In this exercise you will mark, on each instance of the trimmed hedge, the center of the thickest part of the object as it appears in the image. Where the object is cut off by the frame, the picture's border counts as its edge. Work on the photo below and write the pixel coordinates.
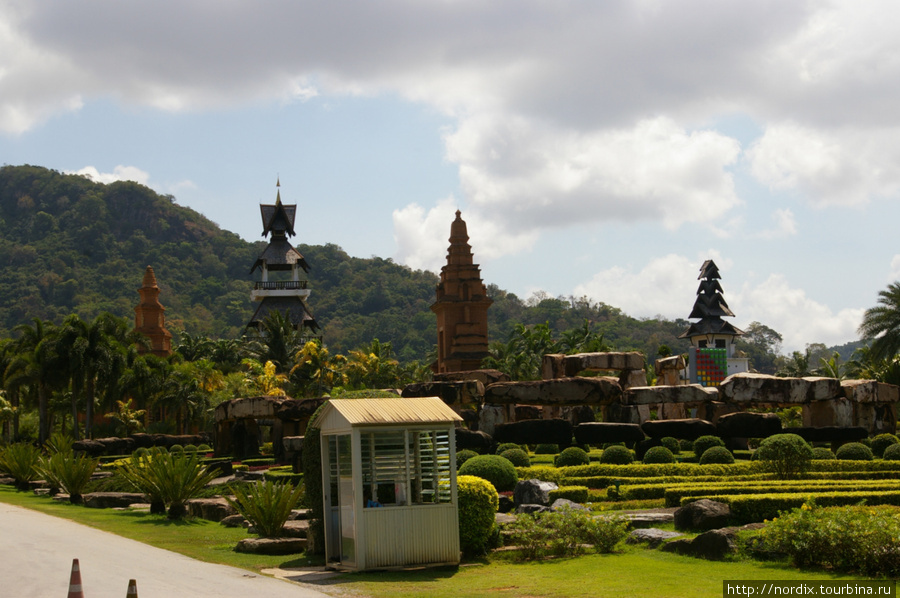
(672, 444)
(507, 446)
(478, 502)
(820, 453)
(493, 468)
(572, 456)
(751, 508)
(892, 453)
(463, 456)
(659, 454)
(882, 442)
(718, 455)
(577, 494)
(517, 457)
(704, 443)
(546, 449)
(675, 494)
(854, 451)
(616, 455)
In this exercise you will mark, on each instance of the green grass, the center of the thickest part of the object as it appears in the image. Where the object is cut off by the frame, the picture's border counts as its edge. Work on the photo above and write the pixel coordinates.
(196, 538)
(633, 572)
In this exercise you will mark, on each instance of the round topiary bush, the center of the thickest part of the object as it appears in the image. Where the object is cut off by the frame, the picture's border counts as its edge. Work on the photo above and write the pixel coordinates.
(571, 456)
(686, 445)
(616, 455)
(505, 446)
(704, 443)
(881, 442)
(672, 444)
(823, 453)
(716, 454)
(141, 452)
(176, 448)
(854, 451)
(659, 454)
(785, 455)
(190, 448)
(517, 457)
(478, 502)
(892, 453)
(546, 449)
(204, 448)
(463, 456)
(498, 471)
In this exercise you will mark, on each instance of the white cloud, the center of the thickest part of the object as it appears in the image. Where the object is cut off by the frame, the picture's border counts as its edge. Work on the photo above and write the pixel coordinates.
(828, 167)
(119, 173)
(785, 225)
(894, 276)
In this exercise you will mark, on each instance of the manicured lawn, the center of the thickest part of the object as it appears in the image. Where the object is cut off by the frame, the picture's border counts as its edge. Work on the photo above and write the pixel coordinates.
(634, 572)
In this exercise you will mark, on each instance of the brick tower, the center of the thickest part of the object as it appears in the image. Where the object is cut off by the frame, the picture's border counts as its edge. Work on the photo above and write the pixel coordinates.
(150, 317)
(461, 307)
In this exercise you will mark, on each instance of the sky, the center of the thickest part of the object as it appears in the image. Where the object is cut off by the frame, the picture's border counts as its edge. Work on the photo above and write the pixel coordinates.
(598, 149)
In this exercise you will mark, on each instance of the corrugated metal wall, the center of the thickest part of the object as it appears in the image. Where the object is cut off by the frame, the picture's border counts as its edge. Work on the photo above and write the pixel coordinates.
(411, 535)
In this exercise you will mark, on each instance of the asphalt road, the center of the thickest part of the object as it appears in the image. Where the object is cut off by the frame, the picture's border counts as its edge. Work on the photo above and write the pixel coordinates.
(36, 553)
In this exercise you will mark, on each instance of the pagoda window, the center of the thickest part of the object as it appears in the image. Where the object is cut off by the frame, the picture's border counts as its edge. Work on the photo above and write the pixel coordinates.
(720, 343)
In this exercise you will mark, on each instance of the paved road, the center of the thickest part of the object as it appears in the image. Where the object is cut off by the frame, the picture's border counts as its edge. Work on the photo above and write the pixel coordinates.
(36, 553)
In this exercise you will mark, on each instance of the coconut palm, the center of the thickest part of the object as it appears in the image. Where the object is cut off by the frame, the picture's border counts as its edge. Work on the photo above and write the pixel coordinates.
(35, 368)
(882, 323)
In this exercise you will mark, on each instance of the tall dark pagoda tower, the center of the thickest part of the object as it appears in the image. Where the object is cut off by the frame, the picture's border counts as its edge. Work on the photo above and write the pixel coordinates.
(283, 271)
(150, 317)
(712, 338)
(461, 307)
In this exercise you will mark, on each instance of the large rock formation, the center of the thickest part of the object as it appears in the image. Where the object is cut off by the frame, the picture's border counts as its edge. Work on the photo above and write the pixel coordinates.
(562, 391)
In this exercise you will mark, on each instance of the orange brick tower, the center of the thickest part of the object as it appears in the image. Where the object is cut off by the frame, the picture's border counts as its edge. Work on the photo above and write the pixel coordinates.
(461, 307)
(150, 317)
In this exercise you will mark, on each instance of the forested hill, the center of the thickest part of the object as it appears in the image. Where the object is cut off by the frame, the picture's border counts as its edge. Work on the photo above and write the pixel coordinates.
(70, 245)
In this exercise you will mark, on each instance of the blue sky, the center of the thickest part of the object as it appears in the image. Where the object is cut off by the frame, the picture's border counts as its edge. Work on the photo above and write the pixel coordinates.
(598, 149)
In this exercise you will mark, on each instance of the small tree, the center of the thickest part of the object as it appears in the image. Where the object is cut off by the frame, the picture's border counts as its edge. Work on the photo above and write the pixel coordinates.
(267, 505)
(785, 455)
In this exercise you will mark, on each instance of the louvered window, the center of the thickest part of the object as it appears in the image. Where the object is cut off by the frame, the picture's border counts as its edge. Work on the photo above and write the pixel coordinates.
(405, 467)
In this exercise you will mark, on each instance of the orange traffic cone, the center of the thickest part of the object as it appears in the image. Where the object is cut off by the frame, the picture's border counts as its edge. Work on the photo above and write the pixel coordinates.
(75, 581)
(132, 589)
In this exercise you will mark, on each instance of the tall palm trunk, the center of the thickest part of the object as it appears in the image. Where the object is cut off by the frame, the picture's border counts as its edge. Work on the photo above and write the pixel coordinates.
(89, 408)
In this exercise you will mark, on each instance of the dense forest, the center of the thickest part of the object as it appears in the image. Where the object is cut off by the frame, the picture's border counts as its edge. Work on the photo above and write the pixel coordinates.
(70, 245)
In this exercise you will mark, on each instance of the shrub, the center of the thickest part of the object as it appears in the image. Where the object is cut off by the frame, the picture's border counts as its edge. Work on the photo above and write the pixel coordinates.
(821, 453)
(478, 502)
(572, 456)
(176, 448)
(463, 456)
(190, 448)
(577, 494)
(892, 453)
(546, 449)
(70, 473)
(686, 445)
(854, 451)
(616, 455)
(267, 505)
(505, 446)
(785, 455)
(659, 454)
(168, 479)
(140, 452)
(672, 444)
(881, 442)
(20, 461)
(565, 532)
(517, 457)
(704, 443)
(493, 468)
(717, 454)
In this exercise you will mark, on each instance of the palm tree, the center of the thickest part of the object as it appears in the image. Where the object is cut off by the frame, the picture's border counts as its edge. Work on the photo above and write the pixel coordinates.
(882, 323)
(36, 365)
(277, 341)
(372, 366)
(316, 371)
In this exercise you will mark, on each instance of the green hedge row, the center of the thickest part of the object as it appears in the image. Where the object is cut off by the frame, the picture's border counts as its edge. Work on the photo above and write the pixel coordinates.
(750, 508)
(577, 494)
(675, 495)
(603, 482)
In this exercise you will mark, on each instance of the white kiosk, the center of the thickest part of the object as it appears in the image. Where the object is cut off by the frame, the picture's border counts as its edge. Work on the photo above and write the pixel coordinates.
(389, 482)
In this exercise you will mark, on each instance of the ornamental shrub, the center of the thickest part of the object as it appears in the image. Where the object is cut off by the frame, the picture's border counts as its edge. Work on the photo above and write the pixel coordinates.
(497, 470)
(463, 456)
(672, 444)
(572, 456)
(686, 445)
(881, 442)
(717, 454)
(546, 449)
(616, 455)
(854, 451)
(478, 502)
(785, 455)
(517, 457)
(565, 533)
(176, 448)
(577, 494)
(702, 444)
(267, 505)
(70, 473)
(204, 448)
(822, 453)
(892, 453)
(659, 454)
(20, 461)
(505, 446)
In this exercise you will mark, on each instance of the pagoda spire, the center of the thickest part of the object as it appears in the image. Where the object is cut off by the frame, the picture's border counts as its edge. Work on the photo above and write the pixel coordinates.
(150, 317)
(710, 307)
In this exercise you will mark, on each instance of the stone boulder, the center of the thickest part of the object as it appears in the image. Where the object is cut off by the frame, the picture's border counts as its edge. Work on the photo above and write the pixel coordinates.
(484, 376)
(454, 393)
(92, 448)
(603, 432)
(652, 395)
(687, 429)
(748, 425)
(712, 545)
(761, 388)
(474, 441)
(211, 509)
(533, 492)
(271, 546)
(702, 515)
(524, 412)
(117, 446)
(525, 509)
(561, 504)
(235, 521)
(870, 391)
(596, 362)
(575, 415)
(829, 434)
(297, 409)
(490, 416)
(112, 500)
(535, 431)
(557, 392)
(651, 536)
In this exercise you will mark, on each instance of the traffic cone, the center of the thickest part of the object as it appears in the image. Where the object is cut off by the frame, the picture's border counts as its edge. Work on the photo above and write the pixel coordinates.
(75, 581)
(132, 589)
